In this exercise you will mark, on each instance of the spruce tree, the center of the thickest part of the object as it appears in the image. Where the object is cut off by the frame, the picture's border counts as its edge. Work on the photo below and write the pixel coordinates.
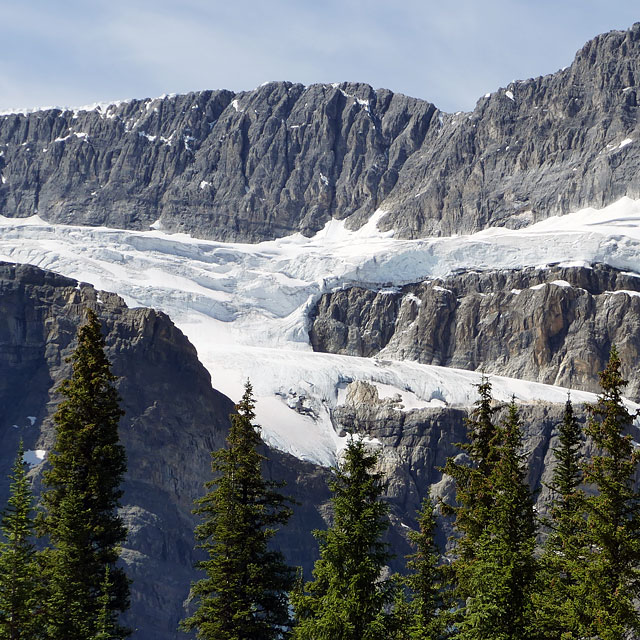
(244, 593)
(498, 580)
(560, 588)
(429, 594)
(20, 585)
(83, 494)
(612, 576)
(474, 492)
(347, 598)
(474, 495)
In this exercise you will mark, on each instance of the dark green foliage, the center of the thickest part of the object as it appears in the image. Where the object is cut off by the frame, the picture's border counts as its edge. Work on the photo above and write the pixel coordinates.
(500, 577)
(494, 567)
(347, 598)
(612, 578)
(483, 431)
(426, 616)
(83, 494)
(474, 494)
(567, 475)
(560, 586)
(20, 588)
(244, 596)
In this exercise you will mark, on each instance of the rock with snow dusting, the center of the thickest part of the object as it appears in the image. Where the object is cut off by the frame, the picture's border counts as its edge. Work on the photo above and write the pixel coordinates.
(553, 325)
(540, 147)
(414, 446)
(286, 158)
(247, 166)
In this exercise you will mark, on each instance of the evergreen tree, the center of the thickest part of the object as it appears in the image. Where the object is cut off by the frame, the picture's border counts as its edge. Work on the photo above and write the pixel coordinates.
(498, 580)
(347, 599)
(20, 587)
(474, 494)
(429, 595)
(560, 589)
(244, 595)
(612, 576)
(502, 572)
(83, 494)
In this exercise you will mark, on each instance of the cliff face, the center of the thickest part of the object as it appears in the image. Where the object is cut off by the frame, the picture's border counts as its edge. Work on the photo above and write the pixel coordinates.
(173, 420)
(287, 158)
(554, 325)
(538, 148)
(249, 166)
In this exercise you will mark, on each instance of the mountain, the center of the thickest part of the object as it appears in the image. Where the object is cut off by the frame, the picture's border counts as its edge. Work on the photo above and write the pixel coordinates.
(361, 256)
(284, 158)
(173, 419)
(554, 325)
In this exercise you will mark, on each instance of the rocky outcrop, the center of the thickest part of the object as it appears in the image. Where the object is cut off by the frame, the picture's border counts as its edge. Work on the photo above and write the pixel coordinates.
(287, 158)
(173, 420)
(554, 325)
(415, 444)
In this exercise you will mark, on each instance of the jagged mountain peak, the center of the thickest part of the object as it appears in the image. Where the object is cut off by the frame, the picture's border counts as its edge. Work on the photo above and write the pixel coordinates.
(287, 158)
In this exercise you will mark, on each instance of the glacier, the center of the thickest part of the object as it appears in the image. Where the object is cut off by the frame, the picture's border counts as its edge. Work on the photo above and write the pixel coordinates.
(245, 307)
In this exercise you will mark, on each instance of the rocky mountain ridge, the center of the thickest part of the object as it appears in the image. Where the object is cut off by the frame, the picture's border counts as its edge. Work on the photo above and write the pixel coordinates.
(174, 419)
(553, 325)
(287, 158)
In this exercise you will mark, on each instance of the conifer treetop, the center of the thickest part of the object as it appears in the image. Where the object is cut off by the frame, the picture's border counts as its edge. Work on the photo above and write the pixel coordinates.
(347, 598)
(244, 592)
(82, 493)
(612, 575)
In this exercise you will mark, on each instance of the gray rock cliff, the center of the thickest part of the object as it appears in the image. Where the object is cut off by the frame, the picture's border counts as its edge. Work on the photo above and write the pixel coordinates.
(537, 148)
(286, 158)
(553, 325)
(255, 165)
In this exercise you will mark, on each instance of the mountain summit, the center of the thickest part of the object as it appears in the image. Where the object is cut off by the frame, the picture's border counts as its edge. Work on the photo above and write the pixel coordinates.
(286, 158)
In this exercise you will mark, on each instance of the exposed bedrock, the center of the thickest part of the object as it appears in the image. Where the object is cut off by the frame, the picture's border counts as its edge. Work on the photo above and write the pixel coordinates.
(249, 166)
(415, 444)
(173, 420)
(553, 325)
(286, 158)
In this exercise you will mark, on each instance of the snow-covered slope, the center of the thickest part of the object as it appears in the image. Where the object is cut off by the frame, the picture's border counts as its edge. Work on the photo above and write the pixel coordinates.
(245, 307)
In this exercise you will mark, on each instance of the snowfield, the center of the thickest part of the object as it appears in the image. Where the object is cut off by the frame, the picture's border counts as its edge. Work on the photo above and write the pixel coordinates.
(245, 306)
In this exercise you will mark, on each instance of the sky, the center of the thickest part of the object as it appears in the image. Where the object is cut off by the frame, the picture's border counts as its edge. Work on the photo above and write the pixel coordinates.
(77, 52)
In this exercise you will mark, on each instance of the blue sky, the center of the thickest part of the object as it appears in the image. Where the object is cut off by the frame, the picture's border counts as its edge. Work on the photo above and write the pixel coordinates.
(74, 52)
